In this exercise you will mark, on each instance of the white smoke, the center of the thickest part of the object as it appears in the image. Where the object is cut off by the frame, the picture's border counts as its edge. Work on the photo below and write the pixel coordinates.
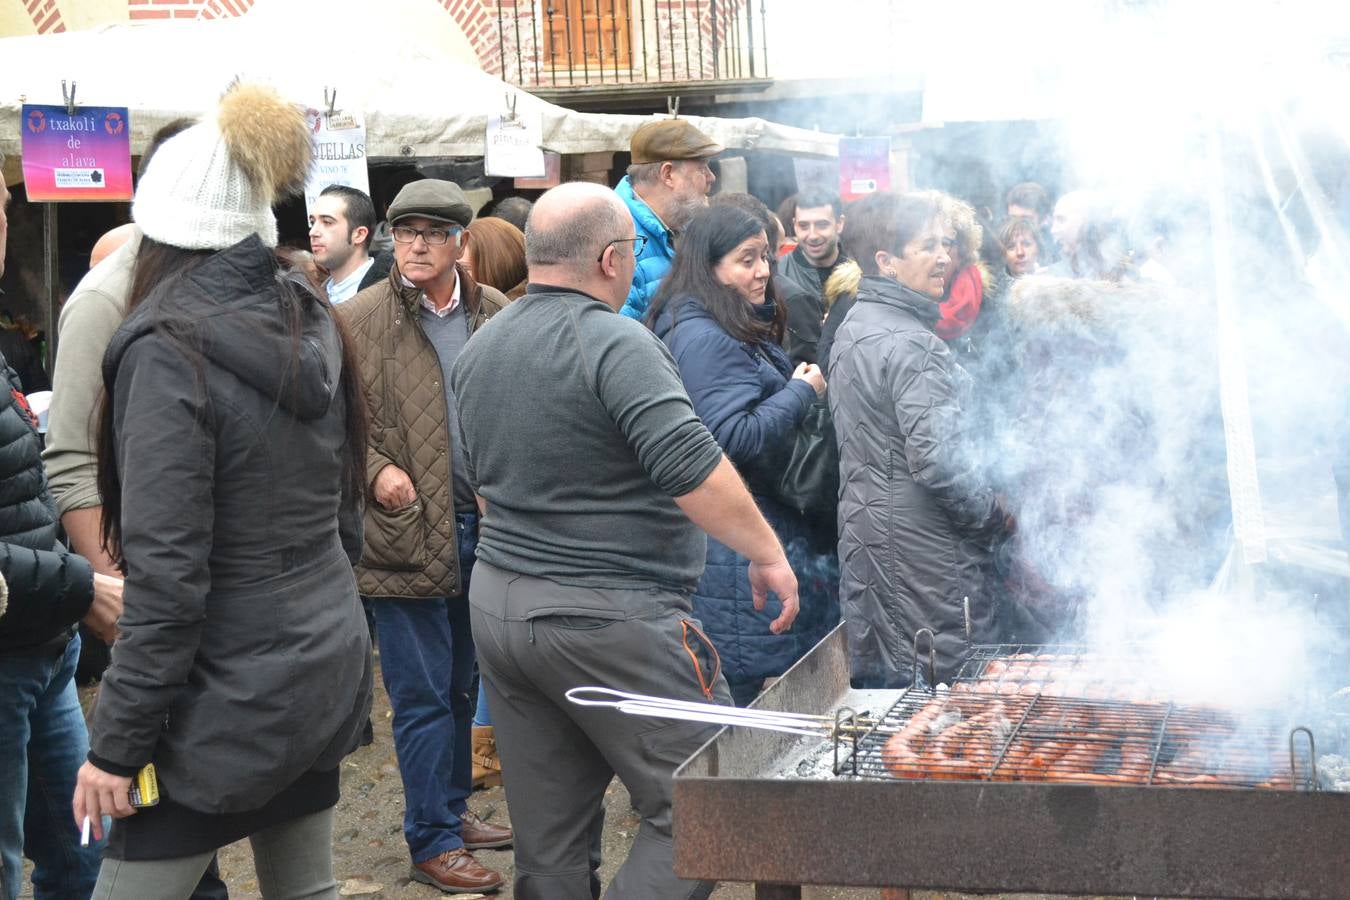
(1233, 124)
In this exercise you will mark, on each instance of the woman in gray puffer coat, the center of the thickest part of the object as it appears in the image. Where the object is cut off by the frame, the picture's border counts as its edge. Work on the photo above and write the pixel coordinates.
(917, 524)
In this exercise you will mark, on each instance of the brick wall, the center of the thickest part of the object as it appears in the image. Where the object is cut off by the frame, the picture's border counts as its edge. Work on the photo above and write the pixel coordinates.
(46, 16)
(151, 10)
(515, 40)
(669, 40)
(480, 28)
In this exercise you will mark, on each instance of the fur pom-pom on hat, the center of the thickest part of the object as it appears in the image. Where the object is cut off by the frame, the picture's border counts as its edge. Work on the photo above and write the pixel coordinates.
(214, 184)
(266, 137)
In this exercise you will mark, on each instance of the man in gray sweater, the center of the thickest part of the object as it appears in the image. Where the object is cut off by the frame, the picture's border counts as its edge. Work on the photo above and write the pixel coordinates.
(595, 478)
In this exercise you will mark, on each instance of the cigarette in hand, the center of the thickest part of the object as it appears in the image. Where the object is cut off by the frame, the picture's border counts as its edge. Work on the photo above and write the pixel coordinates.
(84, 833)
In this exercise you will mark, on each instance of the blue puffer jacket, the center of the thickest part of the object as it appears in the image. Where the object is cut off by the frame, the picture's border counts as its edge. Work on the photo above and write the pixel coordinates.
(656, 257)
(742, 392)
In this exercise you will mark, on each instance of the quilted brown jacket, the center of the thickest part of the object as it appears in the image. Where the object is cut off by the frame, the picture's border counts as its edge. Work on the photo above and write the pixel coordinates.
(409, 552)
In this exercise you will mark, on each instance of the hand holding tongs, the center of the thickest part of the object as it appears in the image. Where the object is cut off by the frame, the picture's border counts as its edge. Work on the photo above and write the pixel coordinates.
(712, 713)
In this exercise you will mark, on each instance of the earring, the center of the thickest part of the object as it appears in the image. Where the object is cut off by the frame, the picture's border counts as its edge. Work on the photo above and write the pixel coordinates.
(890, 273)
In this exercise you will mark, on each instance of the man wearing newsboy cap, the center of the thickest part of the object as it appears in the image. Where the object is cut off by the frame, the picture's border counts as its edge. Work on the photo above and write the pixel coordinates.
(421, 524)
(666, 184)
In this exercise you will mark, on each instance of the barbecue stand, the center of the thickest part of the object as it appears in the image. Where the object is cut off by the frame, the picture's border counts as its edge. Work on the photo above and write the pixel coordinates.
(739, 817)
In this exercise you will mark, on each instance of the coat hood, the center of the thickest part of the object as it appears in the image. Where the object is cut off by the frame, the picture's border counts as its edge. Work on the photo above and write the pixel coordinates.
(688, 308)
(848, 280)
(877, 289)
(684, 308)
(843, 282)
(235, 310)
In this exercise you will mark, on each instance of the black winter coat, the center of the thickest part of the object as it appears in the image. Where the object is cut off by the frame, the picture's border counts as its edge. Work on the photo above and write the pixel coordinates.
(50, 588)
(801, 287)
(916, 523)
(830, 327)
(244, 659)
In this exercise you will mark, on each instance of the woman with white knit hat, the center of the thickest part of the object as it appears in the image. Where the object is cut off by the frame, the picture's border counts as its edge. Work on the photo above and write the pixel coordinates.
(231, 466)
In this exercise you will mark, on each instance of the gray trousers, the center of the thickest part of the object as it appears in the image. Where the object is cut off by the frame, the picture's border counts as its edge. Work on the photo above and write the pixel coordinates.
(293, 861)
(535, 640)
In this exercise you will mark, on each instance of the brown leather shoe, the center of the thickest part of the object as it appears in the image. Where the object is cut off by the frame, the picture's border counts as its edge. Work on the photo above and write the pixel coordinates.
(456, 872)
(479, 835)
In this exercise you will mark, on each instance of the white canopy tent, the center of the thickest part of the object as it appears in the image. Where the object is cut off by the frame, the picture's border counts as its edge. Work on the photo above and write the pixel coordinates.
(418, 96)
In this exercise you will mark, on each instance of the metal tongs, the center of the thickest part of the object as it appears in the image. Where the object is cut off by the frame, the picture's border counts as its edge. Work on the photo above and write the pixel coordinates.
(713, 714)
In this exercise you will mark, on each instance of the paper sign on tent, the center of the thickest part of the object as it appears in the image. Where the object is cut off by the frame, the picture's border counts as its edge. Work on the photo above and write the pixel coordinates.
(80, 156)
(513, 146)
(339, 153)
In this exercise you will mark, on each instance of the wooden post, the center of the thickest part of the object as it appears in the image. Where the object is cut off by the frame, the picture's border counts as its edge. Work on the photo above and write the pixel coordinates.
(52, 277)
(778, 891)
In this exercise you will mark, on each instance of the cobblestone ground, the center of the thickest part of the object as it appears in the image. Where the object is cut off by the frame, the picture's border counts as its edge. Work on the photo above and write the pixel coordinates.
(371, 860)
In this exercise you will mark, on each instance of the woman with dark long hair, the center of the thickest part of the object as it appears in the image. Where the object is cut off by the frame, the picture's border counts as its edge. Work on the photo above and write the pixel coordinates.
(231, 466)
(717, 313)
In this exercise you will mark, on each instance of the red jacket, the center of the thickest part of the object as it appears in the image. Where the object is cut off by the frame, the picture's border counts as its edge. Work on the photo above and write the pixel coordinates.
(962, 306)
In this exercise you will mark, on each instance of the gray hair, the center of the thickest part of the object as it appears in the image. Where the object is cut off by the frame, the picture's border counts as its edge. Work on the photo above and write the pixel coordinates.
(577, 239)
(644, 173)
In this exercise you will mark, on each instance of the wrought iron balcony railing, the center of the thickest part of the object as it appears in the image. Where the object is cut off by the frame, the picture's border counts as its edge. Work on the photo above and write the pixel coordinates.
(579, 43)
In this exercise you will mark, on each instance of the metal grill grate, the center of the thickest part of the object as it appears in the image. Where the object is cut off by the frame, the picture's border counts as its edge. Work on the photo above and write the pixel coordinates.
(1057, 670)
(968, 736)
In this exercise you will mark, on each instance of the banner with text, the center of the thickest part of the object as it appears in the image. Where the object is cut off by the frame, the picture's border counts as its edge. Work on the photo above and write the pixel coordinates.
(82, 156)
(864, 166)
(339, 153)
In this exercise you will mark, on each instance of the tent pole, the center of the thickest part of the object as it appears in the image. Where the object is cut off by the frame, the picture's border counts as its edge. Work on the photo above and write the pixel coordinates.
(51, 279)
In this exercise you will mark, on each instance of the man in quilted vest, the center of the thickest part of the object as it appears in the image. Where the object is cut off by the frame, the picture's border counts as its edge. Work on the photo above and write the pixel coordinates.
(667, 183)
(421, 524)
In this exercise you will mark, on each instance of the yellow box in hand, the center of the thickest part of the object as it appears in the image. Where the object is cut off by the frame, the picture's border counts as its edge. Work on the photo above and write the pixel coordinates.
(145, 787)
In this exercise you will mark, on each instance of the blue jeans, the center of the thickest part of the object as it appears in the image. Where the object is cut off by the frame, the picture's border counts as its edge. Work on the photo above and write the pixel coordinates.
(42, 746)
(481, 716)
(426, 660)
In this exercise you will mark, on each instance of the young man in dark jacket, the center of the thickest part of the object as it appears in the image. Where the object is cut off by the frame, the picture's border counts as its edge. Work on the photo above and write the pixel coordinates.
(818, 224)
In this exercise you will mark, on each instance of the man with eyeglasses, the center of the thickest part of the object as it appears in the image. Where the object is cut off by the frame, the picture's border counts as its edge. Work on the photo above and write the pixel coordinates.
(598, 482)
(422, 528)
(668, 181)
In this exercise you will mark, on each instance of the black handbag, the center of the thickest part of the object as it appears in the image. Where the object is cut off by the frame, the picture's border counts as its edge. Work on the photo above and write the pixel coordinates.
(810, 480)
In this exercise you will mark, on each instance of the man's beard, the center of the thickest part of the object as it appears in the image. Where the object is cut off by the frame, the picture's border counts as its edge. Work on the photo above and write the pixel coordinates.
(684, 209)
(829, 252)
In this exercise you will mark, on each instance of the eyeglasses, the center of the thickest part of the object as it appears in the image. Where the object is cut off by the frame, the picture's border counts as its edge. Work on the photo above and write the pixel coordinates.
(435, 237)
(639, 243)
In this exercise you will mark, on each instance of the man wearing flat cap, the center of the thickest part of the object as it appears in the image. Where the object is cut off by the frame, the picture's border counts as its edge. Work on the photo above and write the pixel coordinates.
(666, 184)
(421, 524)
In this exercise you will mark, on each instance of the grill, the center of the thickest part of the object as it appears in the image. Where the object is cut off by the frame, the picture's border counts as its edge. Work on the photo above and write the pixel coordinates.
(1036, 738)
(1060, 713)
(1056, 670)
(1004, 787)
